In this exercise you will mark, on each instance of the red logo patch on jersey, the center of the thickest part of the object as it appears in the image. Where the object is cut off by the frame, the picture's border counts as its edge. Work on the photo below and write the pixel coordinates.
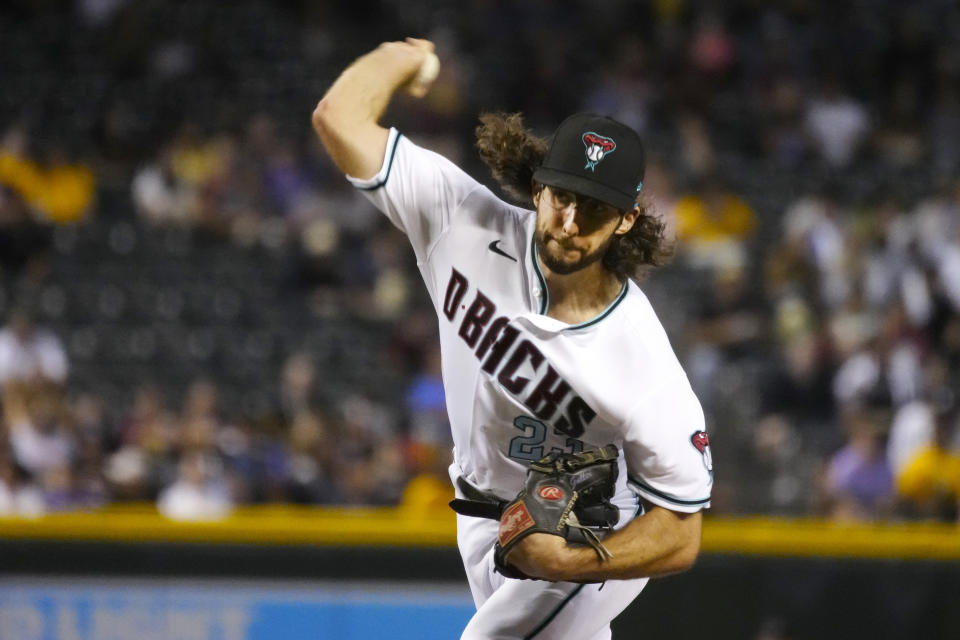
(701, 441)
(550, 492)
(513, 522)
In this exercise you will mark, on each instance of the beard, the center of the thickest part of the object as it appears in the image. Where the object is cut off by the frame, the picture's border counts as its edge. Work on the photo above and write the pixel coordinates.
(554, 258)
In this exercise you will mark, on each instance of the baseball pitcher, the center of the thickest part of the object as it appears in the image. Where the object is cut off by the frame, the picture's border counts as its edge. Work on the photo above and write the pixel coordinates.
(581, 462)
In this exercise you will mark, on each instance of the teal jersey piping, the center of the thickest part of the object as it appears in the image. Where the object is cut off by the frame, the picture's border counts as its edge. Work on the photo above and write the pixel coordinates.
(553, 614)
(545, 300)
(545, 292)
(606, 312)
(665, 496)
(393, 152)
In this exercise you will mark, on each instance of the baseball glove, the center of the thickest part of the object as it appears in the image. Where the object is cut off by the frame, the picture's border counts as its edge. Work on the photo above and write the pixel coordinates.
(565, 494)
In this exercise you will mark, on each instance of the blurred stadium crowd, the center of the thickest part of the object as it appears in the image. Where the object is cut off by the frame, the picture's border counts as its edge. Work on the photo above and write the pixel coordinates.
(198, 311)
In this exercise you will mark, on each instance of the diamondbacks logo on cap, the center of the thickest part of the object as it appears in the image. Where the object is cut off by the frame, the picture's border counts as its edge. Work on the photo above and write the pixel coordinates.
(597, 148)
(701, 441)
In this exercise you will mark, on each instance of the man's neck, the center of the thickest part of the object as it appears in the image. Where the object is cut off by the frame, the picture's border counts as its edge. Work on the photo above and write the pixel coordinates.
(580, 296)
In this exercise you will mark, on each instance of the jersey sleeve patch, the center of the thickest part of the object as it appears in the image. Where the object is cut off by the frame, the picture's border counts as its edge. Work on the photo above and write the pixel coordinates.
(377, 181)
(701, 441)
(665, 499)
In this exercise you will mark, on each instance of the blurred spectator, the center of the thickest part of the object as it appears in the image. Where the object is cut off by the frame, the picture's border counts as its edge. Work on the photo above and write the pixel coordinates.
(861, 372)
(311, 460)
(697, 153)
(859, 482)
(59, 189)
(879, 359)
(238, 446)
(784, 139)
(40, 435)
(148, 423)
(776, 467)
(43, 437)
(714, 225)
(149, 438)
(287, 181)
(430, 441)
(712, 50)
(194, 181)
(370, 466)
(89, 419)
(936, 222)
(199, 492)
(813, 230)
(911, 430)
(728, 326)
(298, 379)
(797, 378)
(160, 197)
(30, 354)
(200, 419)
(18, 495)
(126, 474)
(883, 234)
(928, 484)
(88, 486)
(74, 487)
(837, 123)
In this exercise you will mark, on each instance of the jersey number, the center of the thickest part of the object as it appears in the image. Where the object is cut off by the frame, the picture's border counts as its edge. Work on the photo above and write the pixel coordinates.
(529, 446)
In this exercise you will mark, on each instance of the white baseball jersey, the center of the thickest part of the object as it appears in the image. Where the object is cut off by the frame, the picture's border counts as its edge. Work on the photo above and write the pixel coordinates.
(519, 383)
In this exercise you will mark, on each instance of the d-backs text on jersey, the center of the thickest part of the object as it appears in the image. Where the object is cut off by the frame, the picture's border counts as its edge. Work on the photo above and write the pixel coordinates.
(494, 343)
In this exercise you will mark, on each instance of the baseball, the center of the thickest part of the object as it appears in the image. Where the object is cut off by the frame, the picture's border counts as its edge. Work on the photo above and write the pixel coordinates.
(429, 69)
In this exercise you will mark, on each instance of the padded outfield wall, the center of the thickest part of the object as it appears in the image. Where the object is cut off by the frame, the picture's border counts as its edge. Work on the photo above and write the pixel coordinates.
(281, 573)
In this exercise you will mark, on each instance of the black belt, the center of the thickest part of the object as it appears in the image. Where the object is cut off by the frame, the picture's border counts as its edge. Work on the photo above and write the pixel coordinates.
(477, 502)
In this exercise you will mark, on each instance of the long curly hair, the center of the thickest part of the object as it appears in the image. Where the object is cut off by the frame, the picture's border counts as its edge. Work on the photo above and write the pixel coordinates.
(513, 153)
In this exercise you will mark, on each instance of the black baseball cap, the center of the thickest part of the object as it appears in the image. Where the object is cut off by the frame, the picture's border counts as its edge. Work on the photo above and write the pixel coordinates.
(595, 156)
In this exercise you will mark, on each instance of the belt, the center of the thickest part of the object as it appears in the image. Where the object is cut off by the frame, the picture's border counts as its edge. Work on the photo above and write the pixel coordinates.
(477, 502)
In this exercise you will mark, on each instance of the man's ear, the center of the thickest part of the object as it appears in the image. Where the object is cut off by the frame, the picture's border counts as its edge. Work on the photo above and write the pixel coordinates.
(537, 190)
(627, 220)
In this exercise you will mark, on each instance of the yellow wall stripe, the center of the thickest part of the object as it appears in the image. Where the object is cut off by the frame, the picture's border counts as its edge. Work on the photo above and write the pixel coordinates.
(809, 537)
(279, 525)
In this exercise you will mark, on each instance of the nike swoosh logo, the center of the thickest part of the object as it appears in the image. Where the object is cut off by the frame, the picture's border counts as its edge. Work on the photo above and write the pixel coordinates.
(497, 250)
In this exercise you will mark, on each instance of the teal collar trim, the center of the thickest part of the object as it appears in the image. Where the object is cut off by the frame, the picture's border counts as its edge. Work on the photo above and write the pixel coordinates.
(606, 312)
(386, 175)
(545, 292)
(545, 297)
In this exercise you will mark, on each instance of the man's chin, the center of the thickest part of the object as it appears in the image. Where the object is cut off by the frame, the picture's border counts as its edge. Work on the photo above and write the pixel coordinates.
(562, 267)
(552, 254)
